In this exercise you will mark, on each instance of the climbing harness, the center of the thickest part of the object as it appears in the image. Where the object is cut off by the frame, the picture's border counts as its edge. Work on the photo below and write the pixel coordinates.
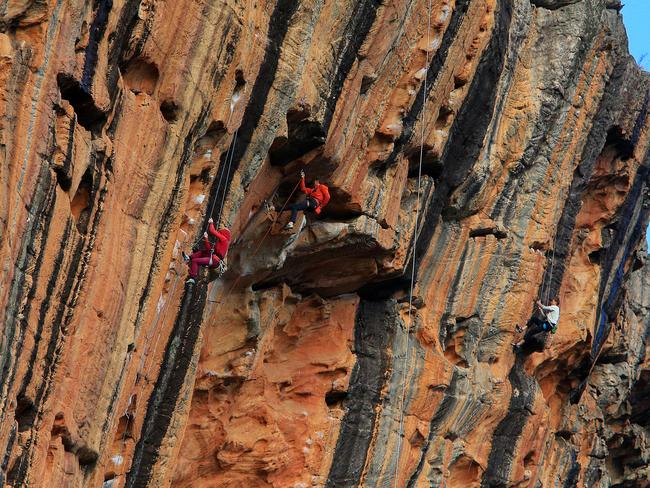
(222, 268)
(413, 261)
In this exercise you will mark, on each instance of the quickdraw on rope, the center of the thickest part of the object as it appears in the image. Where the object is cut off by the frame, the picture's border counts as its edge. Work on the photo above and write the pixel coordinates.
(414, 258)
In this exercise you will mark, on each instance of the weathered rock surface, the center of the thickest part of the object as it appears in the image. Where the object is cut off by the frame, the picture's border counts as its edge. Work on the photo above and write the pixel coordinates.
(481, 154)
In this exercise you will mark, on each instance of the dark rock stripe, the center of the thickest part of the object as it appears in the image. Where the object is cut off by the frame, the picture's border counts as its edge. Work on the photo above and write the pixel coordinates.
(45, 304)
(631, 225)
(45, 181)
(550, 114)
(277, 30)
(167, 220)
(596, 140)
(74, 281)
(97, 30)
(121, 36)
(305, 135)
(388, 287)
(435, 66)
(361, 20)
(41, 209)
(442, 331)
(573, 474)
(375, 329)
(469, 128)
(509, 430)
(446, 406)
(170, 382)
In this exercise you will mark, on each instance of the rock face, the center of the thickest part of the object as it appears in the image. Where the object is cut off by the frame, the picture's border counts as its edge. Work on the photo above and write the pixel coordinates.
(481, 154)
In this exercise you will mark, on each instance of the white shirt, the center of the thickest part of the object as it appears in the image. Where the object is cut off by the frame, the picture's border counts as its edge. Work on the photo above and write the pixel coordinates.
(552, 313)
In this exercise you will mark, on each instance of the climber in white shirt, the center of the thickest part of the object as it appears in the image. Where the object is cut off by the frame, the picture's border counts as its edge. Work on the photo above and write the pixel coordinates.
(536, 325)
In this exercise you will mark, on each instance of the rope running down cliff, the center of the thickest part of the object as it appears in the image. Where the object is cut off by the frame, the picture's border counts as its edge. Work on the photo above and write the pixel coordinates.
(549, 279)
(414, 258)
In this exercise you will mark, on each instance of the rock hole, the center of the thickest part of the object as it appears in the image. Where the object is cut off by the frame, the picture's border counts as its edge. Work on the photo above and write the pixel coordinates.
(240, 81)
(451, 436)
(481, 232)
(109, 479)
(464, 472)
(366, 82)
(616, 138)
(453, 357)
(89, 116)
(528, 460)
(80, 205)
(335, 398)
(444, 117)
(459, 82)
(141, 76)
(169, 110)
(264, 285)
(596, 256)
(124, 427)
(25, 413)
(63, 178)
(87, 457)
(431, 164)
(417, 439)
(303, 135)
(203, 177)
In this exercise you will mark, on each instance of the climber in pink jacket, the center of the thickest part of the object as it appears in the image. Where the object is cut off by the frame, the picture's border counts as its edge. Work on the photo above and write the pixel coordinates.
(210, 255)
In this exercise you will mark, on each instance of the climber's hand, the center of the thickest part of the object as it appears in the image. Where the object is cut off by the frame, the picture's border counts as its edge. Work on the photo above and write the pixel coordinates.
(205, 234)
(302, 174)
(210, 220)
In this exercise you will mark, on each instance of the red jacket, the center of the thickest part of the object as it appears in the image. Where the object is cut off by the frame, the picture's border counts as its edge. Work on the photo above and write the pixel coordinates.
(223, 240)
(319, 193)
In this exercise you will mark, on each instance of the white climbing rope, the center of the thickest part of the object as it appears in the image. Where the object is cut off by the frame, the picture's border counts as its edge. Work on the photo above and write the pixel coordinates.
(225, 181)
(546, 287)
(414, 258)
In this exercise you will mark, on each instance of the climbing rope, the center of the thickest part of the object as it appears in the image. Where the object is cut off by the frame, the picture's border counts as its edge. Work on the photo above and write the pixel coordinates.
(259, 245)
(414, 258)
(154, 329)
(549, 279)
(225, 181)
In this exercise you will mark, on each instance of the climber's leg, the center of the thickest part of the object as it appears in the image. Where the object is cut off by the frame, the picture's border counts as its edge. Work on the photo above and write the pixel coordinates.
(294, 208)
(297, 207)
(195, 263)
(200, 254)
(535, 326)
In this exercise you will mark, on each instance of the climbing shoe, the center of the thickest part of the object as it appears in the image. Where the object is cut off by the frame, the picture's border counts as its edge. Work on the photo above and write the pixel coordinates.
(186, 258)
(191, 280)
(519, 328)
(289, 226)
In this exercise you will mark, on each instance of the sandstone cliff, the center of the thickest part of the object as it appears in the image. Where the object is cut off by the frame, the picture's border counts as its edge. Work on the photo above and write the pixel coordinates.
(481, 154)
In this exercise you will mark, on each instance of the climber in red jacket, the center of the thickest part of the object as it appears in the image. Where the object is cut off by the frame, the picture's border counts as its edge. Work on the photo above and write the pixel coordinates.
(317, 198)
(210, 255)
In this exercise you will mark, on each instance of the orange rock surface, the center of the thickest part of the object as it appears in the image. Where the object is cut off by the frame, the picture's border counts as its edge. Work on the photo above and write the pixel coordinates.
(480, 154)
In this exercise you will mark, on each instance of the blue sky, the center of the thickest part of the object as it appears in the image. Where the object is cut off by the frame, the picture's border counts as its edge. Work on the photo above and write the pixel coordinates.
(636, 16)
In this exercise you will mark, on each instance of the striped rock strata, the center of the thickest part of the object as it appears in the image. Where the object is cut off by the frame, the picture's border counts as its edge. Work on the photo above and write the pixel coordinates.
(481, 154)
